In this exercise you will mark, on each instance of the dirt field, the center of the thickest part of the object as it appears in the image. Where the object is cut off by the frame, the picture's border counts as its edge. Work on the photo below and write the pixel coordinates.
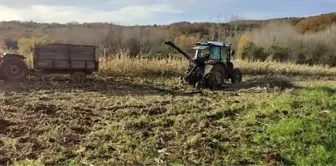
(152, 121)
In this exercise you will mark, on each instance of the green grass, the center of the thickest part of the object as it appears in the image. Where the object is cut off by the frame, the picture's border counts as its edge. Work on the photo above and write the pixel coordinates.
(148, 121)
(300, 125)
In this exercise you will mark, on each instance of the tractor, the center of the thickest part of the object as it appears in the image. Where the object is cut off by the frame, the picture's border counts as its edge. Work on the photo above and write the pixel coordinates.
(211, 65)
(12, 67)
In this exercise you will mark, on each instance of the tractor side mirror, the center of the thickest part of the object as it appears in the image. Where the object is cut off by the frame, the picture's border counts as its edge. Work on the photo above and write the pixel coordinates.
(232, 52)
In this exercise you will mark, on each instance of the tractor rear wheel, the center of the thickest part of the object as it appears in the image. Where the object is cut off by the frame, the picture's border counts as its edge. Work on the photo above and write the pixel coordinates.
(216, 77)
(13, 70)
(237, 76)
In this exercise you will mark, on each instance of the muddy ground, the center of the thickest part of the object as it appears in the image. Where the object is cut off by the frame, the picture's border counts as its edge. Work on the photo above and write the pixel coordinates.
(123, 121)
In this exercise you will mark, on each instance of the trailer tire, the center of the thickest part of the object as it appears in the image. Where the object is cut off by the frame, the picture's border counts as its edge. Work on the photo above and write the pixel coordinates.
(78, 77)
(13, 70)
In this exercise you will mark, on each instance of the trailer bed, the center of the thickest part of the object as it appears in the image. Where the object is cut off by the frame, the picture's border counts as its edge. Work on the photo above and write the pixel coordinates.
(66, 58)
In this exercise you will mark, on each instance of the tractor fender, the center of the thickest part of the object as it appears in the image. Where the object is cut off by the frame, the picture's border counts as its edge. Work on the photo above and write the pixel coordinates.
(209, 67)
(7, 56)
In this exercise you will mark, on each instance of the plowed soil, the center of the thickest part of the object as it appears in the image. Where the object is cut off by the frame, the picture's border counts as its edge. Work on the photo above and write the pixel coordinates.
(128, 121)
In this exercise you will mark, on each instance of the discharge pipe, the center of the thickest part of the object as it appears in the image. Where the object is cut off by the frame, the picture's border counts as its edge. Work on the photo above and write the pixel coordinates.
(179, 50)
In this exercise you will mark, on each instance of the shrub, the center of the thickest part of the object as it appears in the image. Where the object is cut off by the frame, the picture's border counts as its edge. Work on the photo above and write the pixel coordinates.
(243, 45)
(3, 46)
(133, 46)
(27, 45)
(278, 53)
(280, 42)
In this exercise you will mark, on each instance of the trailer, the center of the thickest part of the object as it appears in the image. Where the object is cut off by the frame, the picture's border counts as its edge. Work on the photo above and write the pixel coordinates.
(76, 60)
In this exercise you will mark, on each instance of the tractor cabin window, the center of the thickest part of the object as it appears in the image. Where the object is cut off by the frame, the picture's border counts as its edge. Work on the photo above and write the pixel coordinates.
(201, 51)
(215, 53)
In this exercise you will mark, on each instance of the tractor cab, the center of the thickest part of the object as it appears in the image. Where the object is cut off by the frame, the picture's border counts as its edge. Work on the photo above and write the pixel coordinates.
(212, 52)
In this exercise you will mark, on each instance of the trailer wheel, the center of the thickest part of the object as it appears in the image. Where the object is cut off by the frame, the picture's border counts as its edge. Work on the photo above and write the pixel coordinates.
(14, 70)
(78, 77)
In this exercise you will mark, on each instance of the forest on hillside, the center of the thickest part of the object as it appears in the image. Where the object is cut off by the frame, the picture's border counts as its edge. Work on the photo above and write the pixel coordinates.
(301, 40)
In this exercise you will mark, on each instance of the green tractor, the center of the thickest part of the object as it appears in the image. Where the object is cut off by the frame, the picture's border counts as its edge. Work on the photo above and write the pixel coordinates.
(211, 65)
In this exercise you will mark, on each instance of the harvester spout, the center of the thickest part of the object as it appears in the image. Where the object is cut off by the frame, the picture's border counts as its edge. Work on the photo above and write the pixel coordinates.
(179, 50)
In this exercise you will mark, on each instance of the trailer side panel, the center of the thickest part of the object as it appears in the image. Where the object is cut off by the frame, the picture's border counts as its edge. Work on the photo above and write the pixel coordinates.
(65, 57)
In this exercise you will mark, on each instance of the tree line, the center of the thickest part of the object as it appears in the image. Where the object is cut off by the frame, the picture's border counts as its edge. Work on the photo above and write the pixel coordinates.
(252, 38)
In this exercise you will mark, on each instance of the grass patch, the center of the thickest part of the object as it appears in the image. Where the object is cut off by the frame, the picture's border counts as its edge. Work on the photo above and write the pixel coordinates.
(301, 126)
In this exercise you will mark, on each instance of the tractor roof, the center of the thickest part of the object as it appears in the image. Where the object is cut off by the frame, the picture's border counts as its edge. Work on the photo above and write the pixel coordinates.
(208, 43)
(201, 47)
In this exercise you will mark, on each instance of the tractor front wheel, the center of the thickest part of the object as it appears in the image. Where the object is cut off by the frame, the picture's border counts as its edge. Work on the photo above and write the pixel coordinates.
(237, 76)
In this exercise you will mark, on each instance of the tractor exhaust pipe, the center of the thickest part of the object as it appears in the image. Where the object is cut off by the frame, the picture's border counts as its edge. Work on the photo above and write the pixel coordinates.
(179, 50)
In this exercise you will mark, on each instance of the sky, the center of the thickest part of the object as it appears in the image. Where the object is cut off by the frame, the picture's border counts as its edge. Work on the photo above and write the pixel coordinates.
(150, 12)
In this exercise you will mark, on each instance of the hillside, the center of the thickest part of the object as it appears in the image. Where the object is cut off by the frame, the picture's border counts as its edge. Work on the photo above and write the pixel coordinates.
(136, 40)
(93, 33)
(315, 23)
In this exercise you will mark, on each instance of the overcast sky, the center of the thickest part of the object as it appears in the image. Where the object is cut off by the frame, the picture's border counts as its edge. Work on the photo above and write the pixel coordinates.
(144, 12)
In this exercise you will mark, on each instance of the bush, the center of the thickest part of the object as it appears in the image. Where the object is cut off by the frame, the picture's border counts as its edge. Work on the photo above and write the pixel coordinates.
(133, 46)
(279, 54)
(258, 53)
(243, 45)
(280, 42)
(27, 45)
(252, 52)
(3, 46)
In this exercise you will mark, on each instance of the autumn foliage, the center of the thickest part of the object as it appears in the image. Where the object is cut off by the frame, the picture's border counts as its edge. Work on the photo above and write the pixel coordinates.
(315, 23)
(301, 40)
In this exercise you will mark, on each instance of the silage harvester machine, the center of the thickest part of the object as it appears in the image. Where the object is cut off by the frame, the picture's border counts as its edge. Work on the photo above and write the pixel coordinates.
(211, 65)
